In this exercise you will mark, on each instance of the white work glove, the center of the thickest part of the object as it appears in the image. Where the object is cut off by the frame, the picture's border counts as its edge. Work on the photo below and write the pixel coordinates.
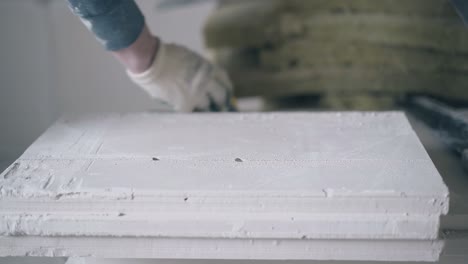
(186, 81)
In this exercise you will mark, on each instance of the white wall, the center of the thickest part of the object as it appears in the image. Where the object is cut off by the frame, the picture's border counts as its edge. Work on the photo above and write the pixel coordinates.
(50, 64)
(26, 105)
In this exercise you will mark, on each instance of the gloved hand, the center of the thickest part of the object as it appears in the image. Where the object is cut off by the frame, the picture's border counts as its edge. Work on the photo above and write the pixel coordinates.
(186, 81)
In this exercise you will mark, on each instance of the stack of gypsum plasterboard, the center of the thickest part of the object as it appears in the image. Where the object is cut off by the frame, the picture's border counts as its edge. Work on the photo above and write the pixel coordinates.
(353, 47)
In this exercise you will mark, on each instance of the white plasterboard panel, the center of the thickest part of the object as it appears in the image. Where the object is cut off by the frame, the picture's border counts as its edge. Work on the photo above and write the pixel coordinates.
(362, 250)
(228, 225)
(302, 163)
(344, 154)
(446, 260)
(39, 260)
(454, 253)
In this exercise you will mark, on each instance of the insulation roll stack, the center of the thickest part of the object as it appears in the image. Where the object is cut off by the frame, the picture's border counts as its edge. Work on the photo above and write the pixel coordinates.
(362, 49)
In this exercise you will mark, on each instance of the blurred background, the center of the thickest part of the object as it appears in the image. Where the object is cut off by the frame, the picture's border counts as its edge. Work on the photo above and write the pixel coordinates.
(293, 54)
(51, 64)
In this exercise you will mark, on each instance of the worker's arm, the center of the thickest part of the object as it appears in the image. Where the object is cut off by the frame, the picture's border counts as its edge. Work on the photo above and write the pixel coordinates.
(168, 72)
(462, 9)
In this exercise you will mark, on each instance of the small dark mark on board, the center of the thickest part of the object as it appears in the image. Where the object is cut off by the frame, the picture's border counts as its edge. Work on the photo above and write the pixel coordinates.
(186, 199)
(155, 159)
(304, 237)
(121, 214)
(61, 195)
(239, 160)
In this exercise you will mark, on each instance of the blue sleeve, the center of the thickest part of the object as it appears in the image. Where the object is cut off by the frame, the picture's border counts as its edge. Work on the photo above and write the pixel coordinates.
(116, 23)
(462, 9)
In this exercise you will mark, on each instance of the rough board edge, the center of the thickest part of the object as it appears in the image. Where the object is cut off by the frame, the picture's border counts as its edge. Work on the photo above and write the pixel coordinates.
(223, 226)
(363, 250)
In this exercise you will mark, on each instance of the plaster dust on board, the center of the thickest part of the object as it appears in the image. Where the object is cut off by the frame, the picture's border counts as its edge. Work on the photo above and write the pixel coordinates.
(321, 180)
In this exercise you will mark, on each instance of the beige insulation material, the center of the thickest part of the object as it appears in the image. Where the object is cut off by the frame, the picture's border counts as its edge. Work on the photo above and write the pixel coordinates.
(345, 48)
